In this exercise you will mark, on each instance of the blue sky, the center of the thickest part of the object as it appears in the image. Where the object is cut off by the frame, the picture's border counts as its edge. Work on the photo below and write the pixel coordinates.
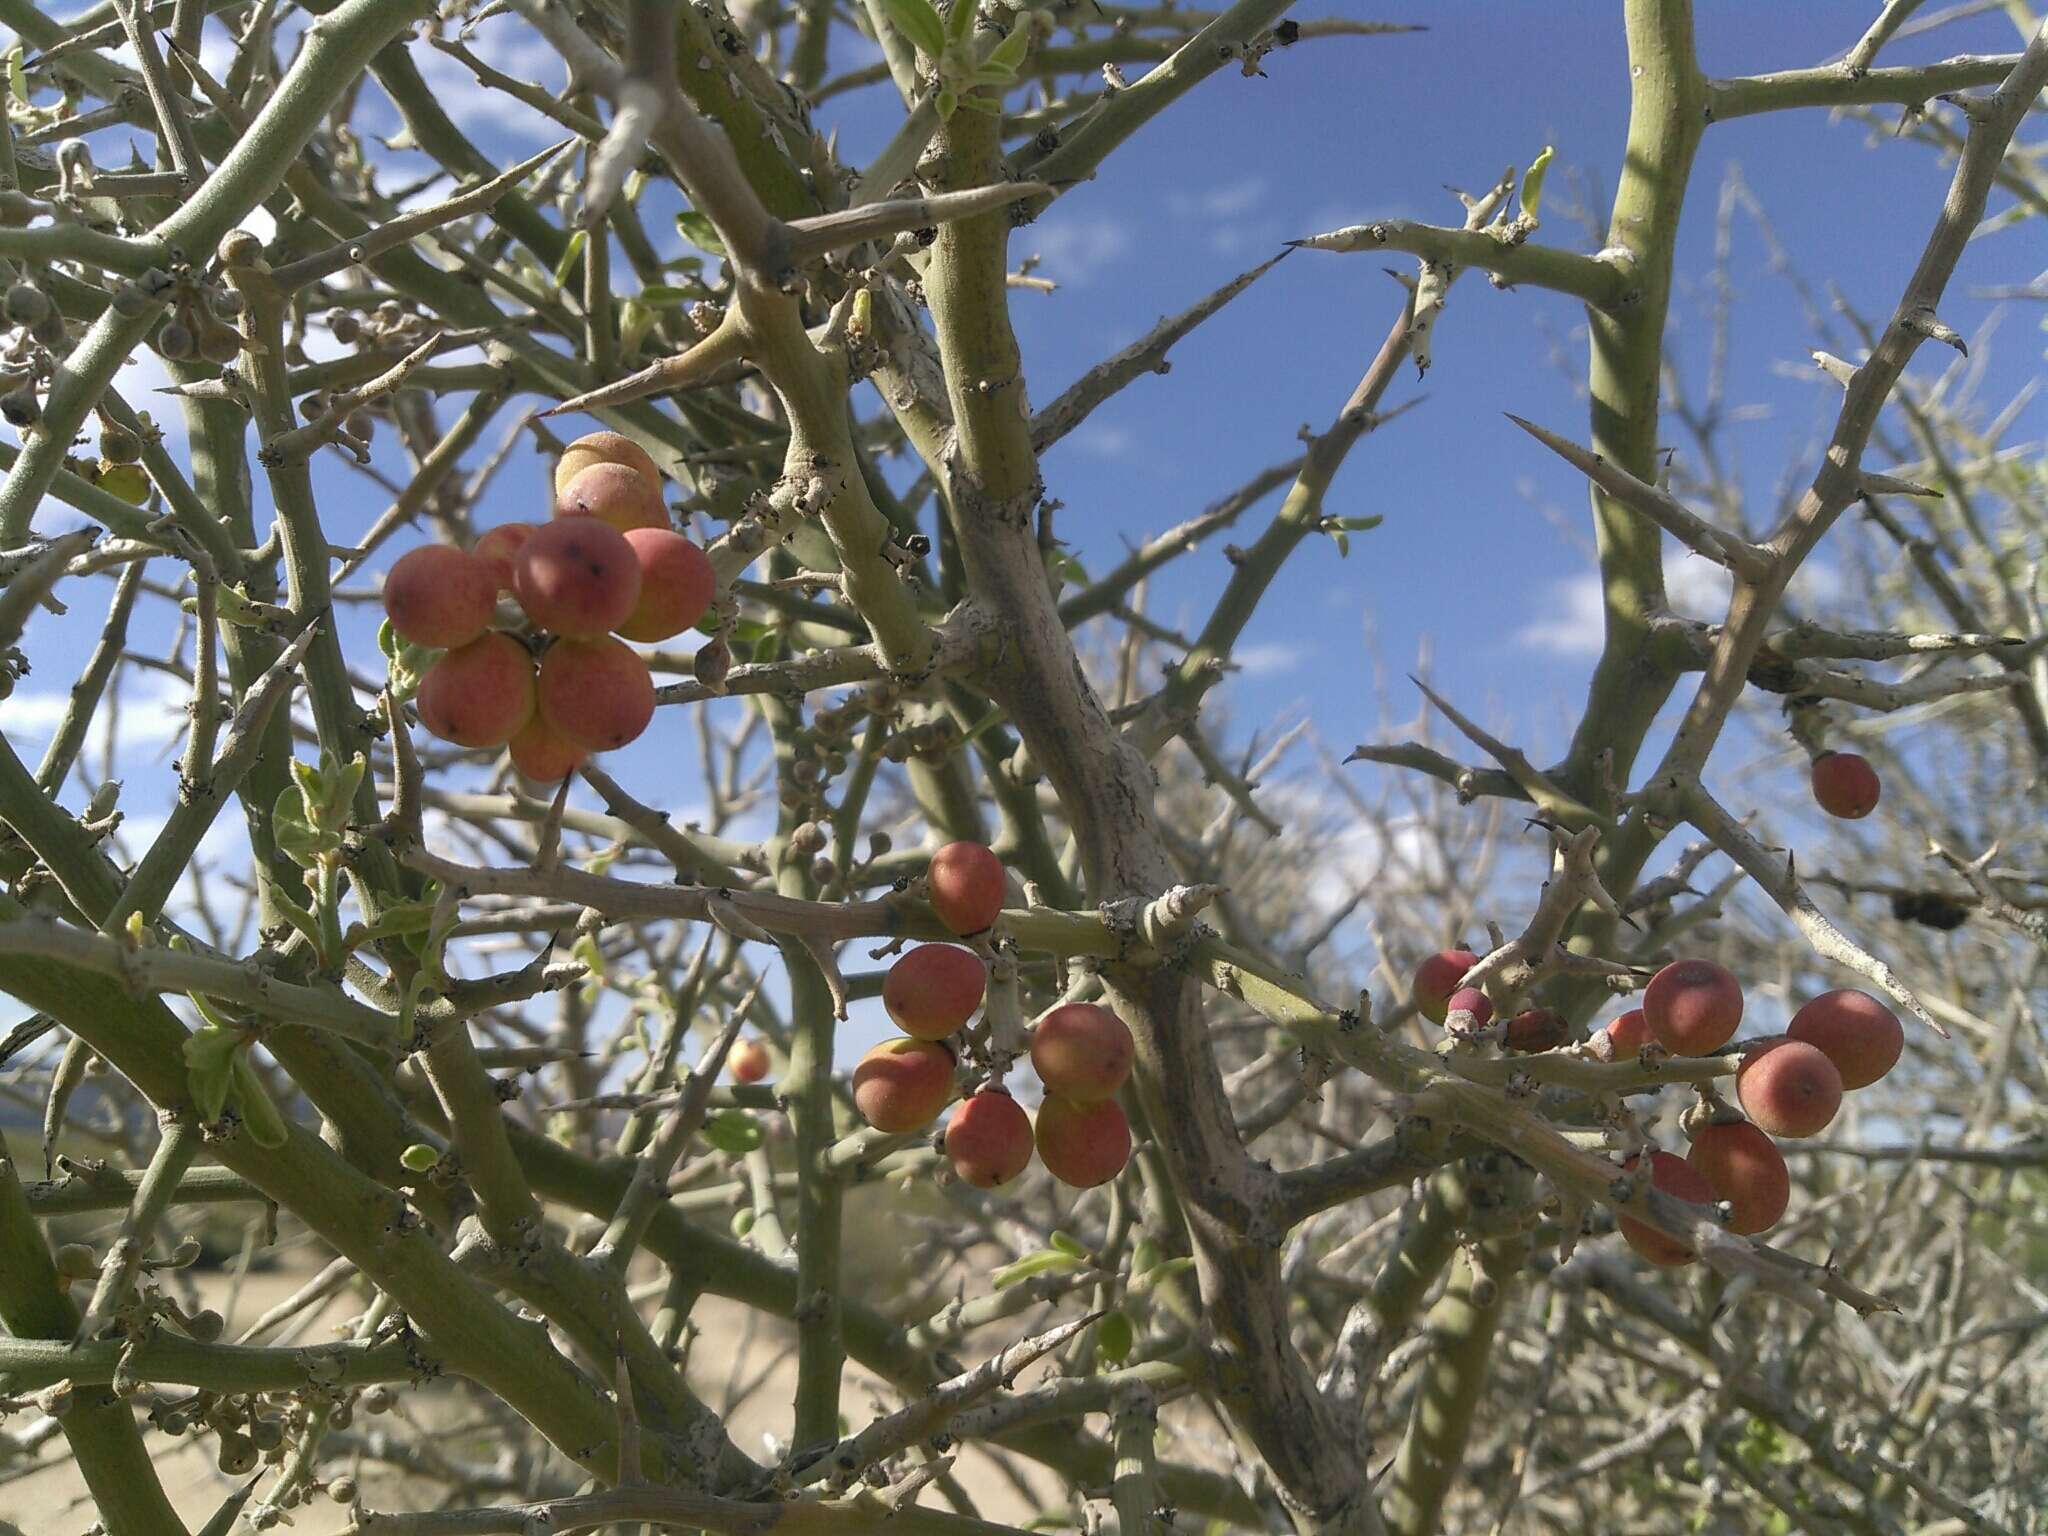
(1482, 558)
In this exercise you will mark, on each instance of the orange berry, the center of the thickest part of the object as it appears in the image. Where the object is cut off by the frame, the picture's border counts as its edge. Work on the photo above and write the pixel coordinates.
(1537, 1029)
(989, 1139)
(1083, 1145)
(1082, 1052)
(1627, 1035)
(967, 887)
(499, 549)
(932, 990)
(616, 493)
(603, 448)
(747, 1061)
(542, 755)
(677, 585)
(901, 1085)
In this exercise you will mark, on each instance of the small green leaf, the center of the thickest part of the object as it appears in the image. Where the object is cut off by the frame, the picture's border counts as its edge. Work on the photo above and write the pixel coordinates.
(946, 101)
(1162, 1271)
(743, 1221)
(1039, 1263)
(210, 1067)
(1532, 183)
(664, 296)
(388, 641)
(570, 252)
(399, 920)
(918, 22)
(1009, 53)
(733, 1131)
(960, 19)
(700, 232)
(1068, 1245)
(296, 839)
(419, 1157)
(17, 77)
(635, 321)
(297, 915)
(987, 106)
(1115, 1337)
(259, 1113)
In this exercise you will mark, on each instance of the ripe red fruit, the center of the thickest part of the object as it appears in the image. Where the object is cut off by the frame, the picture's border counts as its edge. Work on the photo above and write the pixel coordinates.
(1473, 1001)
(989, 1139)
(1789, 1088)
(603, 448)
(1845, 785)
(480, 694)
(747, 1061)
(1745, 1168)
(577, 576)
(441, 596)
(1679, 1179)
(1627, 1035)
(1083, 1145)
(676, 585)
(1693, 1006)
(543, 755)
(595, 694)
(1081, 1052)
(499, 548)
(901, 1085)
(1437, 978)
(617, 493)
(1861, 1036)
(934, 989)
(967, 887)
(1537, 1029)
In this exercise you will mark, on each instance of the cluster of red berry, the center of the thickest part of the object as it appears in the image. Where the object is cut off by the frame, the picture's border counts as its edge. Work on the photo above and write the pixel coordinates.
(607, 568)
(1789, 1085)
(1082, 1053)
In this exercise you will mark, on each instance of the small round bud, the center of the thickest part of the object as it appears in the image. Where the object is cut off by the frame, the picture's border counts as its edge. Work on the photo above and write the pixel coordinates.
(51, 330)
(342, 1490)
(26, 304)
(237, 1455)
(21, 408)
(219, 344)
(377, 1399)
(227, 303)
(344, 327)
(206, 1326)
(174, 339)
(156, 282)
(76, 1261)
(240, 248)
(118, 445)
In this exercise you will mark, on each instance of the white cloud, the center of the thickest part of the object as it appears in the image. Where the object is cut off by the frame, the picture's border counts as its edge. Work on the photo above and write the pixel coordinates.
(1573, 621)
(1104, 442)
(1230, 200)
(1076, 250)
(152, 714)
(1267, 659)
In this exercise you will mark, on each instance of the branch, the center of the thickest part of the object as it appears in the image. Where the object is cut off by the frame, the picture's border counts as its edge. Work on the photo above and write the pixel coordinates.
(1600, 282)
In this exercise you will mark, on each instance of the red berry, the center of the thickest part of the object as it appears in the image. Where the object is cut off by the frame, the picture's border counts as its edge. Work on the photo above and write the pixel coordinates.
(499, 548)
(1083, 1145)
(1627, 1035)
(1679, 1179)
(595, 694)
(1746, 1169)
(747, 1061)
(1082, 1052)
(480, 694)
(932, 990)
(1845, 785)
(1693, 1007)
(1537, 1029)
(440, 596)
(577, 576)
(989, 1139)
(1789, 1088)
(967, 887)
(544, 756)
(1473, 1001)
(1437, 977)
(1861, 1036)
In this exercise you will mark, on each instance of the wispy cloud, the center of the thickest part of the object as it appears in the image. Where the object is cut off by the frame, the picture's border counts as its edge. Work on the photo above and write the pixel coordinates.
(1076, 250)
